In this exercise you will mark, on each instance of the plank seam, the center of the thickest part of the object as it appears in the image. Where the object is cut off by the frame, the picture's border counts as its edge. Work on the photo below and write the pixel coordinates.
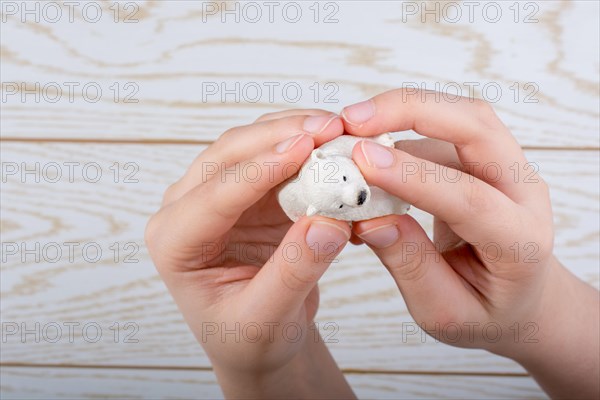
(352, 371)
(209, 142)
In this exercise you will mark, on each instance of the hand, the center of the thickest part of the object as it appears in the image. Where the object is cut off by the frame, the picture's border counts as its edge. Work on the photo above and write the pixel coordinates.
(235, 263)
(488, 279)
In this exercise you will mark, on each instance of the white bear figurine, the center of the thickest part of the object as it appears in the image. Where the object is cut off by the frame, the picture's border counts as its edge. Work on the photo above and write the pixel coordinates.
(330, 184)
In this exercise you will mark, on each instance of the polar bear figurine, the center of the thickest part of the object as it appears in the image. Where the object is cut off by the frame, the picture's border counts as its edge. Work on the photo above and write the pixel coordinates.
(329, 183)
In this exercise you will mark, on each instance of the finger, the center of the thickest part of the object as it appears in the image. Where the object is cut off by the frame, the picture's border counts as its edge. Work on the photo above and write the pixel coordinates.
(355, 240)
(444, 237)
(238, 142)
(208, 211)
(433, 291)
(290, 113)
(244, 142)
(433, 150)
(471, 207)
(284, 282)
(442, 153)
(483, 142)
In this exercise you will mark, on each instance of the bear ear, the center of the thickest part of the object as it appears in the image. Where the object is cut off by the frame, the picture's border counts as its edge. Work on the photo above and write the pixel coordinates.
(317, 154)
(311, 210)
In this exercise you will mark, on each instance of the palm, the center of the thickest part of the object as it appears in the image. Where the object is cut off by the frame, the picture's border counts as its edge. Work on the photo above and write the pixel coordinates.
(254, 238)
(261, 226)
(459, 255)
(473, 270)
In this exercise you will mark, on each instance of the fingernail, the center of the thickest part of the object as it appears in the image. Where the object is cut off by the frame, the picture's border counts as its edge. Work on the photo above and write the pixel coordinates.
(359, 113)
(318, 123)
(288, 143)
(382, 236)
(376, 155)
(326, 239)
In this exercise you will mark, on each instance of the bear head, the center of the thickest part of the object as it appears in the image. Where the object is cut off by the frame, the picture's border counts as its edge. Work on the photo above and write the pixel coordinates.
(331, 182)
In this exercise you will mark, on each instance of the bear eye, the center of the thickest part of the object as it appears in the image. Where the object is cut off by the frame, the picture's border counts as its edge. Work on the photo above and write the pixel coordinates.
(344, 177)
(341, 205)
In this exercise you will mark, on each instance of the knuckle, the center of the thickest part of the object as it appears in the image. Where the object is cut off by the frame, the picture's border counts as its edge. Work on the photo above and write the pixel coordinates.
(290, 113)
(170, 193)
(285, 126)
(544, 187)
(544, 242)
(296, 277)
(313, 111)
(227, 213)
(266, 116)
(151, 232)
(444, 317)
(476, 202)
(408, 96)
(260, 187)
(547, 244)
(485, 114)
(407, 267)
(227, 134)
(293, 121)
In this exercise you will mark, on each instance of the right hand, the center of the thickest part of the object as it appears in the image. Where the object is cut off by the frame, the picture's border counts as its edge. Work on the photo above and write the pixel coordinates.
(489, 278)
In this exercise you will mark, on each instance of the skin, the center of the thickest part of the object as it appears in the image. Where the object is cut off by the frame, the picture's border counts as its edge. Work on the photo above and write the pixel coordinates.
(196, 237)
(204, 243)
(524, 293)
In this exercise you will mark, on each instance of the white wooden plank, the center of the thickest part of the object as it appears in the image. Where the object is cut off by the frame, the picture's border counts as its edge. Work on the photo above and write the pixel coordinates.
(71, 383)
(170, 55)
(443, 387)
(357, 293)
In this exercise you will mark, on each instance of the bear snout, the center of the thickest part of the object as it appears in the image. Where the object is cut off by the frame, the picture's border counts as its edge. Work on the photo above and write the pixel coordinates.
(362, 197)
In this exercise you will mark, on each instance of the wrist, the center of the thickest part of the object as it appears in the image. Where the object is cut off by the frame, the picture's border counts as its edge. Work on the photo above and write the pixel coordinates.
(565, 346)
(547, 320)
(260, 383)
(310, 373)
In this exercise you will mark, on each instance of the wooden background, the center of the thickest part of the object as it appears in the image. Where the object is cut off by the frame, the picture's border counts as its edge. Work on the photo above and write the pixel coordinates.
(173, 51)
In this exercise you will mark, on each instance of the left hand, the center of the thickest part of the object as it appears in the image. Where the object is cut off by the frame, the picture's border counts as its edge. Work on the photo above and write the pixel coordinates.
(237, 267)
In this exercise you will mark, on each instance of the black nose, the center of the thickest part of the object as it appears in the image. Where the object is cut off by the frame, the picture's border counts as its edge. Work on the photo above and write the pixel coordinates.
(362, 196)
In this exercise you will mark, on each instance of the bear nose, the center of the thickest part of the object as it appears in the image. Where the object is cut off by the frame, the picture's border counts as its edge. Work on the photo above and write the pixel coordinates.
(362, 196)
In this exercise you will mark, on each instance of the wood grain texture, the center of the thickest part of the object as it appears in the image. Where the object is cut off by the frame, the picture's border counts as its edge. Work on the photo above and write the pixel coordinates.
(69, 383)
(357, 293)
(172, 56)
(163, 67)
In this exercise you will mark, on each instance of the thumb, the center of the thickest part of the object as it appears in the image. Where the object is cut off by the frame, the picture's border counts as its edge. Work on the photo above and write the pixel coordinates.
(429, 285)
(285, 281)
